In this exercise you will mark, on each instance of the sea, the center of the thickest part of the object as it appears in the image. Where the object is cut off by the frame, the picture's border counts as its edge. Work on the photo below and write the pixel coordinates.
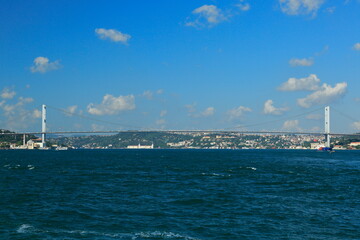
(179, 194)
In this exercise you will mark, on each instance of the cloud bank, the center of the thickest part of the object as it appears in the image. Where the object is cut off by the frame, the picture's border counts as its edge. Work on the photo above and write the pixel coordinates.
(325, 94)
(321, 94)
(111, 105)
(300, 7)
(309, 83)
(6, 93)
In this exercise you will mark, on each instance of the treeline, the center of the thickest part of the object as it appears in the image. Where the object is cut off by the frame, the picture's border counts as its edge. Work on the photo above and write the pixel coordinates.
(124, 139)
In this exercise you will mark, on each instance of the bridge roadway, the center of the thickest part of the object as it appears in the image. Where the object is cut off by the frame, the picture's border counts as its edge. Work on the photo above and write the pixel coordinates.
(182, 131)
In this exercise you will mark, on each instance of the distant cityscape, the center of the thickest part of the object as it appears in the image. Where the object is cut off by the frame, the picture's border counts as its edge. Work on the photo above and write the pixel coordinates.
(179, 140)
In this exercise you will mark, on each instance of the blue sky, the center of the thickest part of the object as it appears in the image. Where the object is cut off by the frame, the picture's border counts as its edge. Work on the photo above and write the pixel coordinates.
(180, 64)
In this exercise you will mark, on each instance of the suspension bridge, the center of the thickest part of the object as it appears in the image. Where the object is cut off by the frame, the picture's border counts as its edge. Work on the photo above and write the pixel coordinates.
(44, 131)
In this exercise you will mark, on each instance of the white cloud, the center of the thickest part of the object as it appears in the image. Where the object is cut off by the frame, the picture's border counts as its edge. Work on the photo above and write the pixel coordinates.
(323, 95)
(270, 109)
(356, 125)
(160, 91)
(43, 65)
(238, 112)
(71, 110)
(303, 62)
(148, 94)
(113, 35)
(310, 83)
(357, 46)
(8, 108)
(111, 105)
(163, 113)
(211, 15)
(36, 113)
(323, 51)
(23, 100)
(16, 115)
(208, 112)
(243, 6)
(300, 7)
(12, 109)
(330, 10)
(291, 125)
(307, 62)
(207, 15)
(191, 108)
(7, 94)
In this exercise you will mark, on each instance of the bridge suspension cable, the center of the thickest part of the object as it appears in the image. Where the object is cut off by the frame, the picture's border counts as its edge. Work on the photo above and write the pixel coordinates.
(94, 119)
(345, 115)
(278, 120)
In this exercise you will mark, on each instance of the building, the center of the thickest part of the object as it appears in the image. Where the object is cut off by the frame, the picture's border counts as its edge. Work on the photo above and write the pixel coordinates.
(34, 144)
(316, 145)
(354, 144)
(141, 146)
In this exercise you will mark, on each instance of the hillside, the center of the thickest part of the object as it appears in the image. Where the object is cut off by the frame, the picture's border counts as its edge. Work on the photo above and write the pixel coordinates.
(6, 140)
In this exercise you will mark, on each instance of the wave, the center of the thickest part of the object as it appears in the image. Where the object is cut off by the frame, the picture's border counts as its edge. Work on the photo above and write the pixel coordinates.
(252, 168)
(29, 229)
(18, 166)
(216, 174)
(25, 228)
(163, 235)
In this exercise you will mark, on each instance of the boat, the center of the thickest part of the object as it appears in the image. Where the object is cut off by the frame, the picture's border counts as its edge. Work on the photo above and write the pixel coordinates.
(58, 148)
(327, 149)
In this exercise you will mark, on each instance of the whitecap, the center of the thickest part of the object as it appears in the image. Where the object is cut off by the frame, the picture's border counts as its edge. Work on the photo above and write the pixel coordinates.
(162, 235)
(252, 168)
(25, 228)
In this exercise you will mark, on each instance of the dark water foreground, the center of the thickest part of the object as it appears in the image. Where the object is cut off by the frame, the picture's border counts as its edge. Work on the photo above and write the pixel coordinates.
(179, 194)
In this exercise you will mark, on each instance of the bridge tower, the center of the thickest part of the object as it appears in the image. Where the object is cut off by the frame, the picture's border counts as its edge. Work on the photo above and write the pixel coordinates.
(327, 126)
(43, 125)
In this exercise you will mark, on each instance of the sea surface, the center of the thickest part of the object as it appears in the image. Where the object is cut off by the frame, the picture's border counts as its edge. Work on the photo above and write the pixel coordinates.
(179, 194)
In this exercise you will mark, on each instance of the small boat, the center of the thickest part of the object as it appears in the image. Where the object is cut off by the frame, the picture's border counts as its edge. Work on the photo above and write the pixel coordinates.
(325, 149)
(61, 148)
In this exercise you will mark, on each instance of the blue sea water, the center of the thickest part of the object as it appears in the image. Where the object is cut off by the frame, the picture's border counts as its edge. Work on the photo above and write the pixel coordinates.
(179, 194)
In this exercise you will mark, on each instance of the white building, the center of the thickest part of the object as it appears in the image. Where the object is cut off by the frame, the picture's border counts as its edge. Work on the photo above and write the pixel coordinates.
(141, 146)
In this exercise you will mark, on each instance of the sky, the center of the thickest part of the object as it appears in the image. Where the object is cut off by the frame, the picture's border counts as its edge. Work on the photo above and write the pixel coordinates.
(134, 64)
